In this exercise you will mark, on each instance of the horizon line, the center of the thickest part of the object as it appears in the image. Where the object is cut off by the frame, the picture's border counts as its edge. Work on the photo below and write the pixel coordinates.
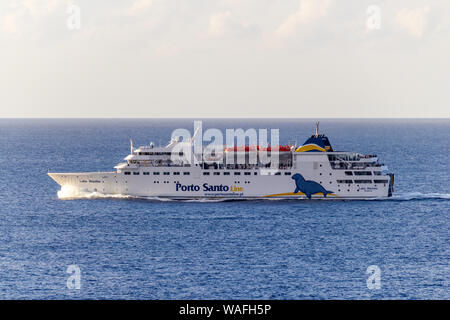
(256, 118)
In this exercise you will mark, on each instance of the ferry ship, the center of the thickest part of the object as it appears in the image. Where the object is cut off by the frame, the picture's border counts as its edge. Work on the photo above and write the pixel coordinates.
(313, 170)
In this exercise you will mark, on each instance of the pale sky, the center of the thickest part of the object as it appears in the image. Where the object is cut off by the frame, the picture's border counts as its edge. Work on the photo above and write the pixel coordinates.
(225, 58)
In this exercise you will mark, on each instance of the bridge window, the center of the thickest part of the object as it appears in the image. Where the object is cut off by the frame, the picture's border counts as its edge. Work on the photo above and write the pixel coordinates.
(146, 173)
(237, 173)
(127, 173)
(377, 173)
(136, 173)
(363, 181)
(216, 173)
(348, 173)
(155, 173)
(166, 173)
(287, 173)
(226, 173)
(176, 173)
(247, 173)
(186, 173)
(206, 173)
(380, 181)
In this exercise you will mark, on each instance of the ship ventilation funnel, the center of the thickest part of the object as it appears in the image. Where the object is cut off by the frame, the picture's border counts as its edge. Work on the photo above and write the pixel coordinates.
(316, 143)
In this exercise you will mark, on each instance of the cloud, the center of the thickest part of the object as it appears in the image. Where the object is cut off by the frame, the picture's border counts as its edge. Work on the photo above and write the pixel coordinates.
(28, 15)
(139, 6)
(225, 24)
(218, 23)
(9, 24)
(40, 7)
(413, 20)
(309, 11)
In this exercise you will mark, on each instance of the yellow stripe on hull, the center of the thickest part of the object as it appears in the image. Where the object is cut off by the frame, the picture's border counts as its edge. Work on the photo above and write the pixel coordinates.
(295, 194)
(310, 147)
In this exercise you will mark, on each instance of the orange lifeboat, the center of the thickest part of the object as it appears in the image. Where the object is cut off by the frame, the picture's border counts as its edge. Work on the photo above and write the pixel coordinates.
(251, 148)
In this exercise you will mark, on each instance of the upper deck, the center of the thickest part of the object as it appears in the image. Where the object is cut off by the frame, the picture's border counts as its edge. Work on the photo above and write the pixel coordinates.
(316, 149)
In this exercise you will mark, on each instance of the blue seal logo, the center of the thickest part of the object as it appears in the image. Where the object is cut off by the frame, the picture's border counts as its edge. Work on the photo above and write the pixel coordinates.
(308, 187)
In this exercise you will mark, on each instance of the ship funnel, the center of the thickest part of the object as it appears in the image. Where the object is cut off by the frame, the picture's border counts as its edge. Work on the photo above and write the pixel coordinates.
(316, 143)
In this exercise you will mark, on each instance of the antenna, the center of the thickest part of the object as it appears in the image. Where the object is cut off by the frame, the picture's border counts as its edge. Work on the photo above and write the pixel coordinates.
(317, 129)
(131, 146)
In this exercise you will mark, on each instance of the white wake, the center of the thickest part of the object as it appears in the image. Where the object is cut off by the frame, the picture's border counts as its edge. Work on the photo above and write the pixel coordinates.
(419, 196)
(68, 192)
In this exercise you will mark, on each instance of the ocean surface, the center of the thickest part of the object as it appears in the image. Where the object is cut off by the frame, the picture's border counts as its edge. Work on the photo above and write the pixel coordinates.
(128, 248)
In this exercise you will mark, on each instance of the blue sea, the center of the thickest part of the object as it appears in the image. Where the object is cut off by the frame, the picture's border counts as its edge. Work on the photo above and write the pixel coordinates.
(128, 248)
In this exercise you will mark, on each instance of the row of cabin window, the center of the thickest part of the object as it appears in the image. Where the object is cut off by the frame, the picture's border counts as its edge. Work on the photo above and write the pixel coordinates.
(362, 173)
(158, 153)
(237, 173)
(205, 173)
(362, 181)
(156, 173)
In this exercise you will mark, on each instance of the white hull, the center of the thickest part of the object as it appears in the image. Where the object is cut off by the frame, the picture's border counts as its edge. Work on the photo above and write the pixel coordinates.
(220, 186)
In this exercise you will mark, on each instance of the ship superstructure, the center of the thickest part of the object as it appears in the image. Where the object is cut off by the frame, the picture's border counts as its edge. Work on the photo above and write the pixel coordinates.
(313, 170)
